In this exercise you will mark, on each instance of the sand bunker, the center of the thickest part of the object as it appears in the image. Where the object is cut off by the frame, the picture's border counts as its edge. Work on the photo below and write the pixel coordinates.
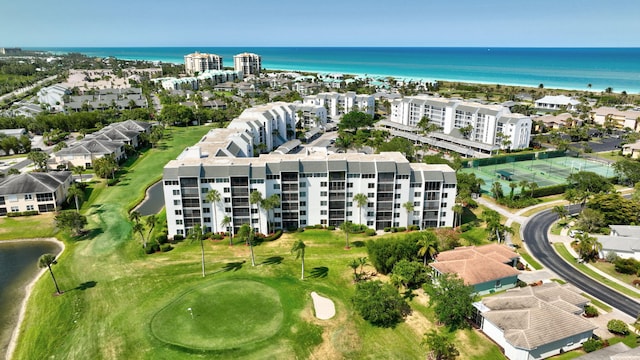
(325, 309)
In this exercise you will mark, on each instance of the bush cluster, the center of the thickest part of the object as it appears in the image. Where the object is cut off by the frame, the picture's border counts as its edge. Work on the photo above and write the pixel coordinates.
(618, 327)
(379, 303)
(549, 190)
(517, 202)
(627, 266)
(590, 311)
(275, 236)
(384, 253)
(370, 232)
(178, 237)
(152, 248)
(22, 213)
(592, 345)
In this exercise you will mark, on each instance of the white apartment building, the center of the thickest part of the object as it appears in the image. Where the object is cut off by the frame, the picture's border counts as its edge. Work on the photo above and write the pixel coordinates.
(270, 124)
(338, 104)
(489, 124)
(247, 63)
(53, 96)
(198, 63)
(314, 186)
(310, 116)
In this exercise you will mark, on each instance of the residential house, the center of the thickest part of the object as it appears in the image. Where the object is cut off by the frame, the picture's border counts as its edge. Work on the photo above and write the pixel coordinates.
(624, 241)
(535, 322)
(617, 118)
(564, 120)
(557, 102)
(34, 191)
(53, 96)
(488, 268)
(619, 351)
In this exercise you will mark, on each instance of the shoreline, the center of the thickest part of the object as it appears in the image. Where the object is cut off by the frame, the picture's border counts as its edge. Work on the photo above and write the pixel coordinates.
(28, 289)
(491, 78)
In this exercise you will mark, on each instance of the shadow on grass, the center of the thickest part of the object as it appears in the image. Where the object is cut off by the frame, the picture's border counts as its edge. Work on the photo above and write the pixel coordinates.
(358, 243)
(86, 285)
(273, 260)
(233, 266)
(319, 272)
(88, 234)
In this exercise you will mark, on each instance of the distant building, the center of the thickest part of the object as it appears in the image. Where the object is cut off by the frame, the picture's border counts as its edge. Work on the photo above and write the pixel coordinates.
(198, 63)
(16, 133)
(309, 115)
(557, 102)
(624, 241)
(10, 51)
(247, 63)
(53, 96)
(34, 191)
(338, 104)
(618, 118)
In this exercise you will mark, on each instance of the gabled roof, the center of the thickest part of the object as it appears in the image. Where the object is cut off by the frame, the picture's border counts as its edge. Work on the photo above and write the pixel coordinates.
(91, 146)
(476, 270)
(497, 252)
(626, 230)
(33, 182)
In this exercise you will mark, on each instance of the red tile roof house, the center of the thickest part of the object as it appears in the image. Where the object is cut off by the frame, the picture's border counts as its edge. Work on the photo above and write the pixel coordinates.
(488, 268)
(535, 322)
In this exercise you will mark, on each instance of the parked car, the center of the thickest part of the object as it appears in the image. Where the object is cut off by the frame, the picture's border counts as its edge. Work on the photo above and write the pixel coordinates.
(574, 232)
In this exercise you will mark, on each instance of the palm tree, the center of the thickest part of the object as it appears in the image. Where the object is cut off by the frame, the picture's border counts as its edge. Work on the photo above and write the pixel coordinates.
(513, 187)
(247, 233)
(561, 211)
(269, 204)
(496, 190)
(588, 247)
(139, 228)
(196, 235)
(458, 210)
(361, 200)
(346, 227)
(47, 260)
(428, 243)
(533, 186)
(523, 185)
(354, 264)
(256, 198)
(408, 206)
(298, 248)
(213, 196)
(151, 222)
(226, 222)
(135, 216)
(78, 171)
(75, 192)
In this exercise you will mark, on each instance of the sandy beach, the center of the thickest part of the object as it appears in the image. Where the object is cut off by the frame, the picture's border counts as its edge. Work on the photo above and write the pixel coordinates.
(28, 289)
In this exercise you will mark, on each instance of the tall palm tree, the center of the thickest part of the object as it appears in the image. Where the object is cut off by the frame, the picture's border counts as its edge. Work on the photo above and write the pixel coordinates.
(408, 207)
(47, 260)
(78, 171)
(561, 211)
(196, 235)
(256, 198)
(428, 243)
(139, 228)
(76, 193)
(523, 185)
(513, 187)
(247, 233)
(151, 222)
(226, 222)
(533, 186)
(213, 196)
(496, 190)
(588, 247)
(458, 210)
(346, 227)
(135, 216)
(269, 204)
(298, 248)
(361, 200)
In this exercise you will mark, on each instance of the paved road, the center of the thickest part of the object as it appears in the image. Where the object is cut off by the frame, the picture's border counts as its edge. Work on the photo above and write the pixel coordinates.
(535, 233)
(27, 88)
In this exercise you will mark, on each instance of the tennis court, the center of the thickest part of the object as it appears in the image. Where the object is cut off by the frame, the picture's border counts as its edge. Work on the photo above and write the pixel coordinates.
(542, 171)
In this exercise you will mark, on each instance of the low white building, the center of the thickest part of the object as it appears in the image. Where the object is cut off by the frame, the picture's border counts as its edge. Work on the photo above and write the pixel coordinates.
(53, 96)
(338, 104)
(619, 118)
(557, 102)
(271, 124)
(34, 191)
(624, 241)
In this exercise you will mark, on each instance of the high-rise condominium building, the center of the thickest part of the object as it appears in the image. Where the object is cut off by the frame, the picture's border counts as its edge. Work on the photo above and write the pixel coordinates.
(198, 63)
(247, 63)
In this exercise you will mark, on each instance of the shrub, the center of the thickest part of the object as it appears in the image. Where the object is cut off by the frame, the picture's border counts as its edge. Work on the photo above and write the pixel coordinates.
(414, 227)
(387, 229)
(466, 227)
(22, 213)
(300, 230)
(618, 327)
(370, 232)
(151, 248)
(549, 190)
(384, 253)
(166, 247)
(611, 256)
(591, 345)
(402, 229)
(379, 303)
(331, 227)
(178, 237)
(394, 229)
(161, 239)
(274, 236)
(590, 311)
(217, 237)
(626, 266)
(207, 235)
(112, 182)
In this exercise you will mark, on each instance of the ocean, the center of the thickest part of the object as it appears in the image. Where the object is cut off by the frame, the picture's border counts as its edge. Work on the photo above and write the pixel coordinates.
(563, 68)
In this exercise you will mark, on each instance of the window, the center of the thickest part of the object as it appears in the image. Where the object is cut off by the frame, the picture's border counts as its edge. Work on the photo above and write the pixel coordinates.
(396, 196)
(370, 223)
(323, 212)
(204, 190)
(323, 203)
(276, 186)
(276, 215)
(416, 203)
(207, 219)
(398, 186)
(396, 215)
(443, 205)
(303, 203)
(442, 223)
(323, 221)
(176, 192)
(445, 195)
(349, 185)
(303, 194)
(179, 222)
(206, 210)
(396, 224)
(254, 221)
(180, 232)
(39, 197)
(370, 195)
(227, 190)
(349, 213)
(254, 211)
(28, 197)
(349, 194)
(303, 212)
(323, 193)
(227, 210)
(396, 206)
(498, 283)
(370, 213)
(227, 200)
(303, 184)
(349, 203)
(169, 182)
(417, 194)
(30, 208)
(370, 204)
(178, 212)
(303, 222)
(444, 214)
(176, 202)
(371, 186)
(323, 183)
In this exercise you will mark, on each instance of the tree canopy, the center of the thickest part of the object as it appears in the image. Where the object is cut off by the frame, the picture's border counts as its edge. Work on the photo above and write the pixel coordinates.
(379, 303)
(353, 120)
(451, 300)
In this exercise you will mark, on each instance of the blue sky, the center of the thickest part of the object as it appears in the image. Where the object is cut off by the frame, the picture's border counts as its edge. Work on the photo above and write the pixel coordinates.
(530, 23)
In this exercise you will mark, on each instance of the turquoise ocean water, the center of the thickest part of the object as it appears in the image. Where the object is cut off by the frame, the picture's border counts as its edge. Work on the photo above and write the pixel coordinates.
(565, 68)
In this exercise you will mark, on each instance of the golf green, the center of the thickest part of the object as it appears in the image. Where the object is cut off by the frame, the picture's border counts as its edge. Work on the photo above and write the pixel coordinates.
(220, 315)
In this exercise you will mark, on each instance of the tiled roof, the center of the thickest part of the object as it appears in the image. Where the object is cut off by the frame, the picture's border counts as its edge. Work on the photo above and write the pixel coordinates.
(496, 252)
(91, 146)
(33, 182)
(476, 270)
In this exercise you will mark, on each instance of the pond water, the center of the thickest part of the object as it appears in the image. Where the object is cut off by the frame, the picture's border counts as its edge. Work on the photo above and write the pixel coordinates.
(18, 266)
(154, 202)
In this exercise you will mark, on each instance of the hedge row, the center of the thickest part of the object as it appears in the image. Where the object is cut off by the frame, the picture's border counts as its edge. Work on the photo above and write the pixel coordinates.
(22, 213)
(549, 190)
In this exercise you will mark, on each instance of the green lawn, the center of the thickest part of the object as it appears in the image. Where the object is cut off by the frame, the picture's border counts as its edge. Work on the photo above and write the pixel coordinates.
(37, 226)
(562, 251)
(610, 269)
(122, 304)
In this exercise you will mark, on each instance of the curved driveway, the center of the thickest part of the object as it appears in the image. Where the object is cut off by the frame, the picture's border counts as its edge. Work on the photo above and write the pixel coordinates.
(535, 233)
